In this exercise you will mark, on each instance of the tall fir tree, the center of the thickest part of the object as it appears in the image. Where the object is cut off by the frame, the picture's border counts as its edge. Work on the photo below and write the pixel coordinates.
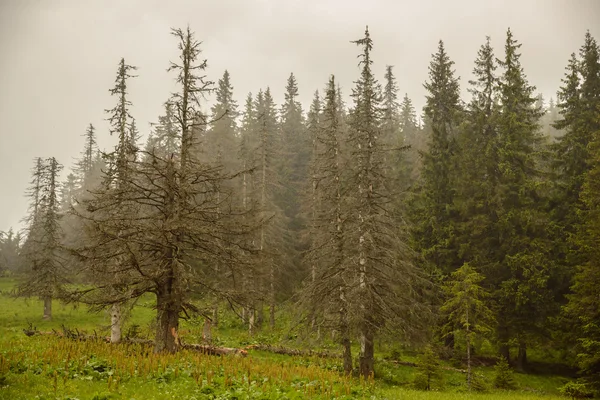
(44, 275)
(378, 251)
(433, 211)
(581, 121)
(520, 271)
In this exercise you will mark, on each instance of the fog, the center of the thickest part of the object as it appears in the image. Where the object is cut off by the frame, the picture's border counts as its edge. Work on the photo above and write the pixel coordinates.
(58, 58)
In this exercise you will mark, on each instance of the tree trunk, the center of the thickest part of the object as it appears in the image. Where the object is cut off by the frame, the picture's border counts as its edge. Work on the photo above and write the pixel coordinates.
(215, 315)
(468, 352)
(115, 323)
(522, 356)
(260, 315)
(272, 297)
(503, 340)
(47, 308)
(251, 322)
(345, 333)
(168, 319)
(367, 350)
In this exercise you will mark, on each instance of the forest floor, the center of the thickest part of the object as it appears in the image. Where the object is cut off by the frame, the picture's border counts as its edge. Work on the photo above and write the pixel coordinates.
(54, 367)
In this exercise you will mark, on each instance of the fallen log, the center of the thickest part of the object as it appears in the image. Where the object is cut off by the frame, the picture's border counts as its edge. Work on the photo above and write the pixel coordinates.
(293, 352)
(213, 350)
(75, 334)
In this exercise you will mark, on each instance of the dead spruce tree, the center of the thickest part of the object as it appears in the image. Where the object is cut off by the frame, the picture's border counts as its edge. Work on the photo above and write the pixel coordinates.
(121, 125)
(180, 229)
(327, 289)
(44, 275)
(383, 276)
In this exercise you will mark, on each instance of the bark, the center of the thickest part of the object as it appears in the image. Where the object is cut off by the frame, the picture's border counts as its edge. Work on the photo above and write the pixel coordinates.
(168, 308)
(115, 323)
(345, 333)
(522, 356)
(468, 352)
(47, 308)
(367, 350)
(272, 300)
(251, 322)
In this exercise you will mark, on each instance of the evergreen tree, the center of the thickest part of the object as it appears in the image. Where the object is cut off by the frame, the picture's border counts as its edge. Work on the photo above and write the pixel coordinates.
(176, 234)
(293, 171)
(165, 140)
(10, 246)
(582, 124)
(85, 165)
(328, 290)
(381, 260)
(433, 211)
(220, 143)
(477, 165)
(44, 275)
(520, 272)
(466, 308)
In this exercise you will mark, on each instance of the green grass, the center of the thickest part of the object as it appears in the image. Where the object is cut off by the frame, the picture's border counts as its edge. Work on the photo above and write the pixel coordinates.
(50, 367)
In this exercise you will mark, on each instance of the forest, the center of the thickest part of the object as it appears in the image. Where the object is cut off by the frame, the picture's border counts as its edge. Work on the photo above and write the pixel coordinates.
(362, 236)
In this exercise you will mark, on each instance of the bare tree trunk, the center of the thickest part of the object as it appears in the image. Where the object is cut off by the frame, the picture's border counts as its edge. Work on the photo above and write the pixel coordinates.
(345, 334)
(115, 323)
(260, 315)
(367, 350)
(215, 315)
(272, 297)
(47, 308)
(251, 322)
(168, 308)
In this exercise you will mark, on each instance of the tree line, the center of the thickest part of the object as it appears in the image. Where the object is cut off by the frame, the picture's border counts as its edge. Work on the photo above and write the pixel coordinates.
(477, 221)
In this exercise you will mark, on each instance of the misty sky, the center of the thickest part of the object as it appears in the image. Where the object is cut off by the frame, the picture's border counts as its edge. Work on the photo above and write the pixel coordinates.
(58, 58)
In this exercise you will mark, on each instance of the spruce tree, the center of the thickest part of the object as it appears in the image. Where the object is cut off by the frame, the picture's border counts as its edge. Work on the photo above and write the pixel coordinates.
(477, 164)
(44, 274)
(328, 289)
(582, 123)
(176, 234)
(433, 210)
(466, 308)
(380, 257)
(293, 160)
(520, 272)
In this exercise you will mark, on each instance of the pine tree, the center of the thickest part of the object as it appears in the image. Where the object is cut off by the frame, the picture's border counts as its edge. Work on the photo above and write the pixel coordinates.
(220, 143)
(44, 274)
(10, 246)
(327, 289)
(293, 172)
(165, 140)
(379, 254)
(582, 123)
(466, 308)
(477, 165)
(520, 271)
(176, 234)
(85, 165)
(433, 211)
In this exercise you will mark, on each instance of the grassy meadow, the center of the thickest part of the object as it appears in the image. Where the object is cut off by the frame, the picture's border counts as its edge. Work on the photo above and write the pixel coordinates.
(52, 367)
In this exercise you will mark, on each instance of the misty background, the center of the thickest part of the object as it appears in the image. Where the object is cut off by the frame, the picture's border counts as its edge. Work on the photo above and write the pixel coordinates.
(57, 58)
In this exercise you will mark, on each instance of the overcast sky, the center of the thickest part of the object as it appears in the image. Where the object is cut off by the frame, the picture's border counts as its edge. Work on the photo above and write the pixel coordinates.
(58, 58)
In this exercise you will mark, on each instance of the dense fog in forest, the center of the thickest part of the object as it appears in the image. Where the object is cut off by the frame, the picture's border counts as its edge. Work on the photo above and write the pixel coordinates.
(430, 178)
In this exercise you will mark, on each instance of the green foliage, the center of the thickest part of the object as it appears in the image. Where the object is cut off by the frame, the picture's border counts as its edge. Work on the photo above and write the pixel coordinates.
(576, 390)
(503, 375)
(429, 374)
